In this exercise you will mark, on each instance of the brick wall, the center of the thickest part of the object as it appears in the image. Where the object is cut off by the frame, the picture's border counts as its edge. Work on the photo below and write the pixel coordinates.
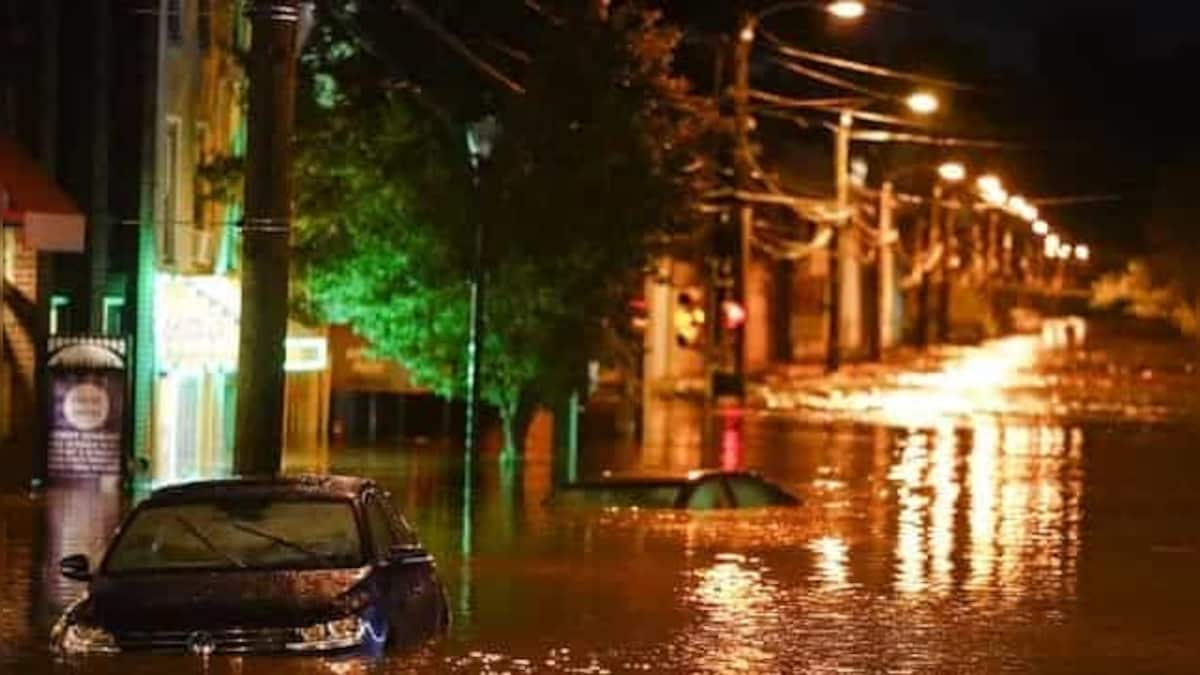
(21, 334)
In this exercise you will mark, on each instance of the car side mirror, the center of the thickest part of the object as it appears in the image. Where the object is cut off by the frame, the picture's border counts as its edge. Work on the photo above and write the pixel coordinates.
(76, 567)
(407, 554)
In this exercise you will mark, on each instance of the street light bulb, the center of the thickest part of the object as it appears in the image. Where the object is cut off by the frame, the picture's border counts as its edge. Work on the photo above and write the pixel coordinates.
(1041, 228)
(747, 34)
(1082, 253)
(922, 103)
(1064, 251)
(1052, 244)
(847, 9)
(989, 184)
(952, 172)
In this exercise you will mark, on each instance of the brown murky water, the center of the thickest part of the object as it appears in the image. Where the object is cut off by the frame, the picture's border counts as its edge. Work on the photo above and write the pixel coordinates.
(1018, 507)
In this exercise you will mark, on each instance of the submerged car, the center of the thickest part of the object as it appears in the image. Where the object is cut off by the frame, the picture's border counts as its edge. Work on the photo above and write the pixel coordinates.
(304, 564)
(694, 490)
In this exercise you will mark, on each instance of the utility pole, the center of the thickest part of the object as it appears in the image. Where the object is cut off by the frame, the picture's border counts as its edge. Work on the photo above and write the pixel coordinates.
(742, 173)
(258, 446)
(927, 240)
(841, 172)
(887, 268)
(949, 247)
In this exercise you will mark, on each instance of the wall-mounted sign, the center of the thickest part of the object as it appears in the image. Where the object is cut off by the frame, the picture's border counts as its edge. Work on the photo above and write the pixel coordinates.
(196, 327)
(86, 435)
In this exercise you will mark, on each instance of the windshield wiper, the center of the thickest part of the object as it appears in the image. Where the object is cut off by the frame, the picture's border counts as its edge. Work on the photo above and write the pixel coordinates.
(286, 543)
(195, 532)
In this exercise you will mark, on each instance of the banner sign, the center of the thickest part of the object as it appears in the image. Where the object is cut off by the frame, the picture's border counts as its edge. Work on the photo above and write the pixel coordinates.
(88, 386)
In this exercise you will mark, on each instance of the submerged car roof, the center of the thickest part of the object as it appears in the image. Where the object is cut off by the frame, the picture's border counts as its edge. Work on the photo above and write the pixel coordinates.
(326, 487)
(609, 478)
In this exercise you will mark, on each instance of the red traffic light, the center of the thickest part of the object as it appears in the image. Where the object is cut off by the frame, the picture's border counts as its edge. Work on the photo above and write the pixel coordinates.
(733, 314)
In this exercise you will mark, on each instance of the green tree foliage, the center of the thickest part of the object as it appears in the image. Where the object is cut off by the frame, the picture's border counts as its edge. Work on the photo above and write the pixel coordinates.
(1166, 283)
(596, 161)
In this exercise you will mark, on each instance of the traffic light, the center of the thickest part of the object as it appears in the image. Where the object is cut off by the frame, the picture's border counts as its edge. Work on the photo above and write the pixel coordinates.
(733, 314)
(639, 314)
(688, 318)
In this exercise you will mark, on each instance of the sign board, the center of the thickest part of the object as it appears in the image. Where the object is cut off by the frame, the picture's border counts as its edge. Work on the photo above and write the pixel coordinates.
(88, 388)
(197, 323)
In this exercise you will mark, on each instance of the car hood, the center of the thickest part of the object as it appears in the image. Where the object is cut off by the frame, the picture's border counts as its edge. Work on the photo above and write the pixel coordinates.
(244, 599)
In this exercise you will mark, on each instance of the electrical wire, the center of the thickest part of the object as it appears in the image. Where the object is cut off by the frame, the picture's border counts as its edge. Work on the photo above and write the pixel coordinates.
(859, 67)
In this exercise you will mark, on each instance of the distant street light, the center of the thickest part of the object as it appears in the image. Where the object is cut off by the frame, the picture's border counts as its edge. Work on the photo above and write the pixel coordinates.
(847, 9)
(923, 103)
(989, 183)
(1082, 253)
(1053, 241)
(952, 172)
(1041, 227)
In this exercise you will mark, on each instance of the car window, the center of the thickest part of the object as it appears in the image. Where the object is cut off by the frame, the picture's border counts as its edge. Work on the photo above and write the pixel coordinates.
(749, 492)
(709, 494)
(382, 536)
(405, 535)
(239, 533)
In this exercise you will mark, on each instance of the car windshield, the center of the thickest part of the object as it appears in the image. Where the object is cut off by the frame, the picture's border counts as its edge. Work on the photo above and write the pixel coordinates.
(239, 534)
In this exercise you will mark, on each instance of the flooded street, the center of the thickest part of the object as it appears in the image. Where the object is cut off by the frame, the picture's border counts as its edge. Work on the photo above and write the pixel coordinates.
(1027, 505)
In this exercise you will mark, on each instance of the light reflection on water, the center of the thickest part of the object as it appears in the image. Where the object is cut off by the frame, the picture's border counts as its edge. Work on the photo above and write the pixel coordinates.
(966, 541)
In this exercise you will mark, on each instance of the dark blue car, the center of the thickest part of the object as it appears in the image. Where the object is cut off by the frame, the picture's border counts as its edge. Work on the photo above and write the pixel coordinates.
(306, 564)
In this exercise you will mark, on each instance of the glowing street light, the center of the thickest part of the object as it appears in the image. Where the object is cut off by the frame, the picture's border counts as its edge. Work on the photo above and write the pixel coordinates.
(922, 103)
(952, 172)
(1021, 206)
(1053, 241)
(847, 9)
(1064, 251)
(1082, 253)
(989, 183)
(1041, 227)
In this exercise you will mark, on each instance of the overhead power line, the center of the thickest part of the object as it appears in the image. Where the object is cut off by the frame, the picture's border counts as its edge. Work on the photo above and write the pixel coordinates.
(458, 46)
(883, 136)
(833, 80)
(860, 67)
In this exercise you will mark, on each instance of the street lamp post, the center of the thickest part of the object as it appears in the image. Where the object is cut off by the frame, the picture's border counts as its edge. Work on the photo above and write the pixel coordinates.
(480, 139)
(839, 247)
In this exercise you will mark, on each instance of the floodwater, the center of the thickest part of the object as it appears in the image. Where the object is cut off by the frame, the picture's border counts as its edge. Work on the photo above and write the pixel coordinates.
(1029, 505)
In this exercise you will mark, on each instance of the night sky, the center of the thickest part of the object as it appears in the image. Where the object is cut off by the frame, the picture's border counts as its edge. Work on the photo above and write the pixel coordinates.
(1095, 91)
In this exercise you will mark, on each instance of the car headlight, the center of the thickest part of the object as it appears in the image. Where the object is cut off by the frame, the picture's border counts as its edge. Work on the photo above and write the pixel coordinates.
(337, 634)
(81, 639)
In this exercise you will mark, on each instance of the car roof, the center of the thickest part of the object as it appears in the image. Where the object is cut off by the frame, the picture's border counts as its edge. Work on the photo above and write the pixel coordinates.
(612, 479)
(301, 485)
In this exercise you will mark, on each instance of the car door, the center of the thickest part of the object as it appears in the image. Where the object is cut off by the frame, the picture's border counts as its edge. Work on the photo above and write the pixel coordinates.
(388, 580)
(425, 588)
(405, 572)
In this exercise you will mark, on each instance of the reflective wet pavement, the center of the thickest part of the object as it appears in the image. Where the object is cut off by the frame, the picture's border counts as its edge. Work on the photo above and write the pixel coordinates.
(1021, 506)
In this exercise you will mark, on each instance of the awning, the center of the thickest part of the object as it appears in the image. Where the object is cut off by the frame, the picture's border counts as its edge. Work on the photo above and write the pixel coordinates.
(51, 220)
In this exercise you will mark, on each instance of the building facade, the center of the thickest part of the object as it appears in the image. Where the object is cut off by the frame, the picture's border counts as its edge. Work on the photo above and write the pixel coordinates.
(135, 108)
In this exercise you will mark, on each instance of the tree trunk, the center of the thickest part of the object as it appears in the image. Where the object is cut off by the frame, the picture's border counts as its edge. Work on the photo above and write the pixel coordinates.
(515, 420)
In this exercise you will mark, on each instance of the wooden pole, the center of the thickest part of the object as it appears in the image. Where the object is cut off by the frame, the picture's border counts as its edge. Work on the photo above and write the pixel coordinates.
(258, 445)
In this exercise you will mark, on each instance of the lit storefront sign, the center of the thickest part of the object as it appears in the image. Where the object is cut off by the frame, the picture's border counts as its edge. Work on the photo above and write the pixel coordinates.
(196, 328)
(306, 354)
